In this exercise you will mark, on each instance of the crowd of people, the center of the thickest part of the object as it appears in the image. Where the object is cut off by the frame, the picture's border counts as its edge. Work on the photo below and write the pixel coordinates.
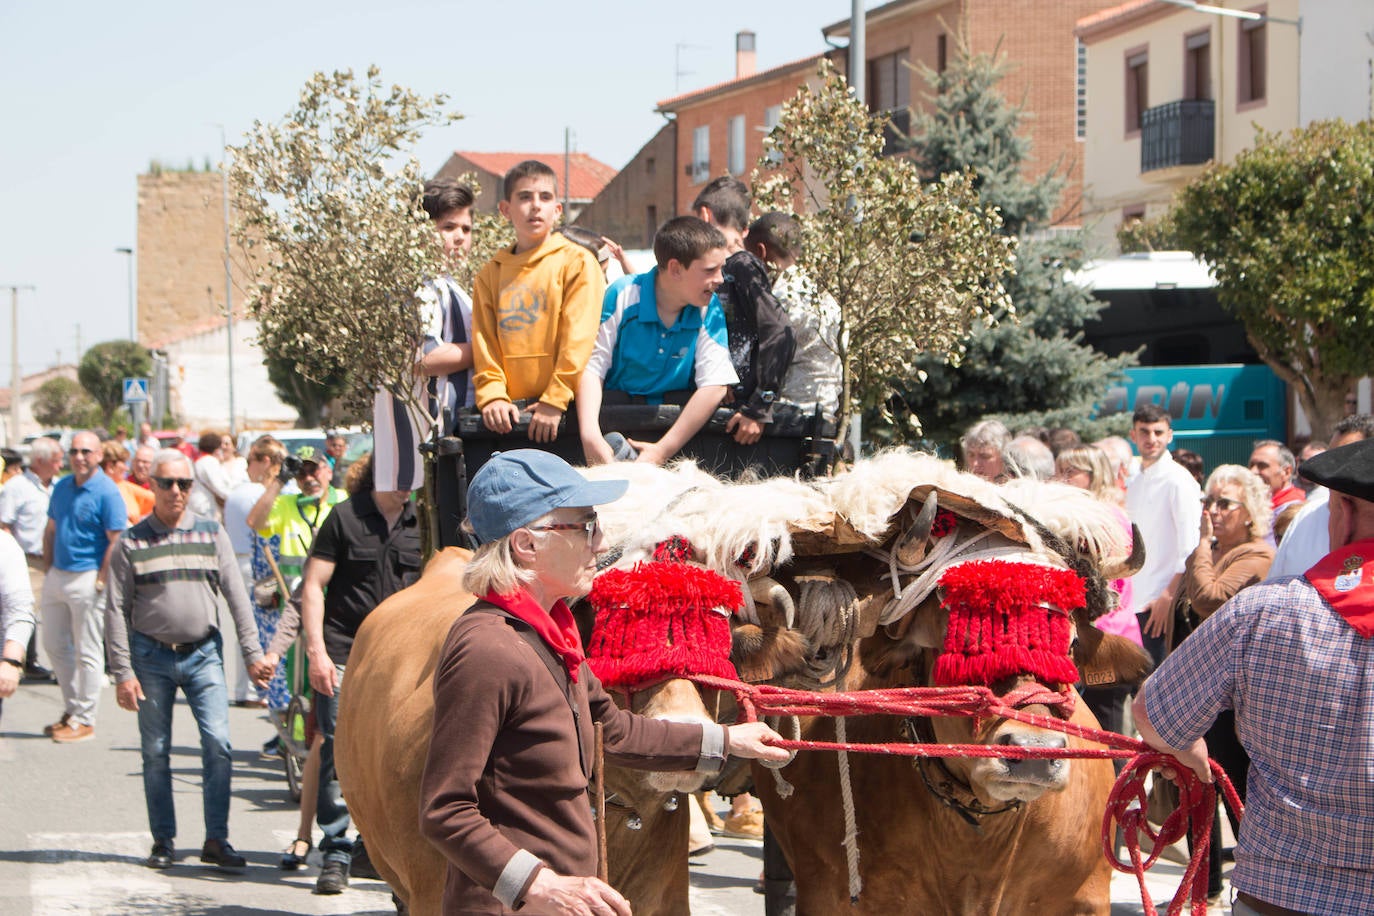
(132, 566)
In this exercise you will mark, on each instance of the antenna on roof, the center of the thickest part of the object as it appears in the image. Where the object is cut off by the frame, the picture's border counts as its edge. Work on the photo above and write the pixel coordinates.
(678, 72)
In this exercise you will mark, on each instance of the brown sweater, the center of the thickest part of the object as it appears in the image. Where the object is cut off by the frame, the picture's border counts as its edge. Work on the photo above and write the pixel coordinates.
(1212, 579)
(505, 783)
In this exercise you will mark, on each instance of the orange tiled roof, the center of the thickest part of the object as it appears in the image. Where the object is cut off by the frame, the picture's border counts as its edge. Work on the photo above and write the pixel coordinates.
(677, 101)
(1112, 15)
(586, 176)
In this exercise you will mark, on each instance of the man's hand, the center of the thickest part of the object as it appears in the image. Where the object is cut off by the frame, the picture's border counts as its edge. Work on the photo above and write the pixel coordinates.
(1194, 758)
(544, 422)
(500, 416)
(560, 894)
(324, 678)
(650, 452)
(128, 693)
(262, 670)
(597, 451)
(9, 680)
(746, 430)
(1159, 609)
(751, 740)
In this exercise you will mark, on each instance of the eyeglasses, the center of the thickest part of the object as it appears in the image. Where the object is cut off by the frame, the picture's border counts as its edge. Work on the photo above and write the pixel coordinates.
(81, 451)
(1221, 502)
(592, 526)
(167, 483)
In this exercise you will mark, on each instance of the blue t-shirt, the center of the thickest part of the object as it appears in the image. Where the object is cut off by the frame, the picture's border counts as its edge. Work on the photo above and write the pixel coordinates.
(636, 354)
(82, 516)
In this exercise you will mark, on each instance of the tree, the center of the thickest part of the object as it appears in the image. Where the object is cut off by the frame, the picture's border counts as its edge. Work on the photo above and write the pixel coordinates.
(1158, 234)
(911, 265)
(309, 397)
(63, 402)
(1288, 228)
(102, 372)
(329, 211)
(1034, 370)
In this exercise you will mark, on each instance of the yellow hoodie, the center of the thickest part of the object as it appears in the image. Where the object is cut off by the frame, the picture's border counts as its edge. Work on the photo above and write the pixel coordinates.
(534, 320)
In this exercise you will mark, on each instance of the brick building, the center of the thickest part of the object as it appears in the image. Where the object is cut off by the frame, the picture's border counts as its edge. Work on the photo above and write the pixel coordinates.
(586, 177)
(640, 197)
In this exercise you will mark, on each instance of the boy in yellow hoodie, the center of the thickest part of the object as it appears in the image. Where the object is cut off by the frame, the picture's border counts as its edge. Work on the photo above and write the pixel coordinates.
(536, 309)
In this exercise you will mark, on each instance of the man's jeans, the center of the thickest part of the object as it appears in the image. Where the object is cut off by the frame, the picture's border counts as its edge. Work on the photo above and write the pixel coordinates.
(330, 812)
(200, 675)
(74, 638)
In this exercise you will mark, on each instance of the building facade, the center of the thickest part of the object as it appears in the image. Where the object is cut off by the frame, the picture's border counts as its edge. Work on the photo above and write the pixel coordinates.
(583, 176)
(639, 198)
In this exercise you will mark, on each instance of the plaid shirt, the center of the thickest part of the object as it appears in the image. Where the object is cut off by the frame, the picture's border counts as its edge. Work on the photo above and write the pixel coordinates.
(1301, 683)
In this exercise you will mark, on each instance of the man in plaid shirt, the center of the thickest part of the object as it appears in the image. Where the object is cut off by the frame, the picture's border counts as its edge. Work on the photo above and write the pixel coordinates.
(1294, 658)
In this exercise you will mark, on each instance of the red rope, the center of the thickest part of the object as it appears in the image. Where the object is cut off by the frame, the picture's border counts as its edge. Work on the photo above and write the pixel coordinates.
(1125, 805)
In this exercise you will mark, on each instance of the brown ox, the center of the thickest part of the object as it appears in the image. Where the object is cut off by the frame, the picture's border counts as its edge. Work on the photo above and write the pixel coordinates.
(385, 721)
(966, 836)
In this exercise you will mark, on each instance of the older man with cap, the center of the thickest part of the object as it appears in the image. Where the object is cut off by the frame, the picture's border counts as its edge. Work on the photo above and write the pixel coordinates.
(1293, 658)
(504, 791)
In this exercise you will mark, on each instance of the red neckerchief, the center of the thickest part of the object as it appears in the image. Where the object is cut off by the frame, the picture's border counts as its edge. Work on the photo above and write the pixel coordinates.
(556, 627)
(1345, 578)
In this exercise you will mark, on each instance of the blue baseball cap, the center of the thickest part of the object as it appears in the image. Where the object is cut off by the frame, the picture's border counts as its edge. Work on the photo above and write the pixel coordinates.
(514, 488)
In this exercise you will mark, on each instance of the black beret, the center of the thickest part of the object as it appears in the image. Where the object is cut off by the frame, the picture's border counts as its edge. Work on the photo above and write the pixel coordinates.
(1348, 469)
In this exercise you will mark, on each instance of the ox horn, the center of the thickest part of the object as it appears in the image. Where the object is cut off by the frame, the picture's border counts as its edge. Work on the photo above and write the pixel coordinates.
(911, 546)
(766, 590)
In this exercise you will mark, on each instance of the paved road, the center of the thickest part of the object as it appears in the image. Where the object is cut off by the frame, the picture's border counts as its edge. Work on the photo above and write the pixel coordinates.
(74, 831)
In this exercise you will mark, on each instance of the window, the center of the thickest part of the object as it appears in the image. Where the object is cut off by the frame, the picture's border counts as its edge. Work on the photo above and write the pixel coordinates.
(1137, 88)
(734, 142)
(700, 167)
(1253, 62)
(941, 53)
(1080, 101)
(889, 82)
(651, 223)
(649, 165)
(772, 116)
(1197, 65)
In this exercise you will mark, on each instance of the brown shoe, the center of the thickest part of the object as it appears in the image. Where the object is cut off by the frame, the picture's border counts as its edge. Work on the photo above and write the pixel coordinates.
(747, 825)
(59, 724)
(73, 732)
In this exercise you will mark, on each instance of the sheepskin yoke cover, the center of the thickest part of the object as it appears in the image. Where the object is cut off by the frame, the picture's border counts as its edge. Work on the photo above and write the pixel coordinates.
(662, 619)
(1008, 619)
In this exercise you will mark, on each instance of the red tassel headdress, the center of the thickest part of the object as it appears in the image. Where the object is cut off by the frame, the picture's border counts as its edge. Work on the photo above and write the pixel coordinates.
(1007, 619)
(661, 619)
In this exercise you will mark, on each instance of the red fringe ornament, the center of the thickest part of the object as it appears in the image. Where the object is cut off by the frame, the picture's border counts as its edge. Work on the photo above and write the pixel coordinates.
(1008, 619)
(660, 620)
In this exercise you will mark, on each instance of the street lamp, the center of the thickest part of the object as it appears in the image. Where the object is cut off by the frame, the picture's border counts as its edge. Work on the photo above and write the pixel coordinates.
(133, 327)
(1251, 15)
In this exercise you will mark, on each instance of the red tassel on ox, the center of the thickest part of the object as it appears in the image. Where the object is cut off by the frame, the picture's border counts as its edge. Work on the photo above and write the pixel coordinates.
(660, 620)
(1008, 619)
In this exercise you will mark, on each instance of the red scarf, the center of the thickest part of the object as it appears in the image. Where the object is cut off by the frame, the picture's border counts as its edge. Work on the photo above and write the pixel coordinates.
(556, 627)
(1345, 578)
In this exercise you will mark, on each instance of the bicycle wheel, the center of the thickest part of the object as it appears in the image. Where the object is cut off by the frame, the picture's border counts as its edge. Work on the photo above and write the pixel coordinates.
(295, 729)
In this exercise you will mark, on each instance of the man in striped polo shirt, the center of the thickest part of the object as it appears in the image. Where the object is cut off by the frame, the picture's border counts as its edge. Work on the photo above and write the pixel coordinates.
(170, 577)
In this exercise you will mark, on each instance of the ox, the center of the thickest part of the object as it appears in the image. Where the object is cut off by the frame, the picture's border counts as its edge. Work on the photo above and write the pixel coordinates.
(385, 720)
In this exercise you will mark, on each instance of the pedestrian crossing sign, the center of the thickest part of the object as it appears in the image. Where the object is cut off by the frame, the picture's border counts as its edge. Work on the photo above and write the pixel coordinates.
(135, 391)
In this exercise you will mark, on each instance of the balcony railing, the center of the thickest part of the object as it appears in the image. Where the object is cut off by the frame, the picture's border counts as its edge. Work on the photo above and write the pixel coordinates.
(1179, 133)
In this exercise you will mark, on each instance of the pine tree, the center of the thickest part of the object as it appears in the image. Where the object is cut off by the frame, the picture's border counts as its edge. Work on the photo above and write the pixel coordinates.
(1035, 369)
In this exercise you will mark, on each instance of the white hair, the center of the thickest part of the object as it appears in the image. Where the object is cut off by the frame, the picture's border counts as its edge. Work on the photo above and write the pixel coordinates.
(165, 457)
(46, 449)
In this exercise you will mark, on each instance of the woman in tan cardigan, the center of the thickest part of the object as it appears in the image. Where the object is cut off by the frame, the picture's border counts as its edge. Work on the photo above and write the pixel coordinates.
(1232, 554)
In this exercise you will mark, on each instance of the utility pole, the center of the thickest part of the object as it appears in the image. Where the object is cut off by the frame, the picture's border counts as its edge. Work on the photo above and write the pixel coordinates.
(567, 174)
(228, 282)
(133, 326)
(14, 438)
(858, 66)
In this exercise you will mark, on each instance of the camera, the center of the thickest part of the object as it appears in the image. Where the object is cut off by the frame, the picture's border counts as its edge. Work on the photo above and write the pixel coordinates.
(290, 468)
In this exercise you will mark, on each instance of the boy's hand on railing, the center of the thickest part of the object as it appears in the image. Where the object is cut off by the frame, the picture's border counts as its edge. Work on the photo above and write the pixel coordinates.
(500, 416)
(544, 422)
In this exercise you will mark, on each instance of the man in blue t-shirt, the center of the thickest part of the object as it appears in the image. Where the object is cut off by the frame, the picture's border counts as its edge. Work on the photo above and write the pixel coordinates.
(85, 516)
(662, 331)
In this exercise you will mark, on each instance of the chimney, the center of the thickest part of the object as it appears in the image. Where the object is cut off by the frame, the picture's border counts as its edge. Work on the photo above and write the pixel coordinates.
(744, 55)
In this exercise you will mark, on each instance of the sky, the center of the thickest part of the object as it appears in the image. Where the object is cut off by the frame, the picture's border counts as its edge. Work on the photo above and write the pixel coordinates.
(91, 93)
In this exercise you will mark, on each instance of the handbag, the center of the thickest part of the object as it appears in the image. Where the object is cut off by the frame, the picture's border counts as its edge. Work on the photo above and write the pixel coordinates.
(266, 592)
(1184, 620)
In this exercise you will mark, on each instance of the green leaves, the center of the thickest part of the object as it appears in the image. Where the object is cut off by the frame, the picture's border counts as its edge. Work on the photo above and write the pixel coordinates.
(859, 213)
(103, 369)
(328, 207)
(1288, 228)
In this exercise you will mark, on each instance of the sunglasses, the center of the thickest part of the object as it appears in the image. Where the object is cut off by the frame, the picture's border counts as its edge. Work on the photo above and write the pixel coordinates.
(592, 526)
(81, 451)
(167, 483)
(1221, 502)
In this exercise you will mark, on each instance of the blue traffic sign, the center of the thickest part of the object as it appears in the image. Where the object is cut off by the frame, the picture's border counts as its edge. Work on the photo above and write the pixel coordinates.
(135, 391)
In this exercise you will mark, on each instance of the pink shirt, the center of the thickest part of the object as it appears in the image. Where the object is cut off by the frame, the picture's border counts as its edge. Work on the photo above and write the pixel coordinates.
(1122, 621)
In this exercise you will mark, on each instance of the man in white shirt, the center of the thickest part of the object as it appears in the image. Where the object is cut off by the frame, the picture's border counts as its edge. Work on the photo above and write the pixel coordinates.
(1165, 503)
(24, 514)
(1306, 541)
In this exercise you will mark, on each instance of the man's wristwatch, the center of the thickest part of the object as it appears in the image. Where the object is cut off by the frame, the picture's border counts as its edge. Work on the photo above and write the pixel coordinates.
(18, 663)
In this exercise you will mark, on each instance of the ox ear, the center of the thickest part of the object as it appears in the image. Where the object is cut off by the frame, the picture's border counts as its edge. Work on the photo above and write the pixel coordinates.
(766, 653)
(1104, 659)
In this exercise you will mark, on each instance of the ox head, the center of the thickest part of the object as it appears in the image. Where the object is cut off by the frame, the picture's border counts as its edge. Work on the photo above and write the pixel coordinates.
(657, 625)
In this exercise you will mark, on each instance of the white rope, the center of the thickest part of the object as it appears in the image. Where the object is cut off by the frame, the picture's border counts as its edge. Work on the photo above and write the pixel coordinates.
(851, 827)
(936, 564)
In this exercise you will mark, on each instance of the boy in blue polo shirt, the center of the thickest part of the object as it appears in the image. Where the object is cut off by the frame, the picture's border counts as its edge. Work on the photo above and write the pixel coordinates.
(662, 331)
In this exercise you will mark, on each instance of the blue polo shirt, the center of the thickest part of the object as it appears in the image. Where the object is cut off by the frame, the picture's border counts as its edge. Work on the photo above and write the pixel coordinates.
(636, 354)
(82, 516)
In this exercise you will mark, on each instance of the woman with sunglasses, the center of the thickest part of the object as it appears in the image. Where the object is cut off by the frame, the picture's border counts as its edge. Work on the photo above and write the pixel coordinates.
(1232, 554)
